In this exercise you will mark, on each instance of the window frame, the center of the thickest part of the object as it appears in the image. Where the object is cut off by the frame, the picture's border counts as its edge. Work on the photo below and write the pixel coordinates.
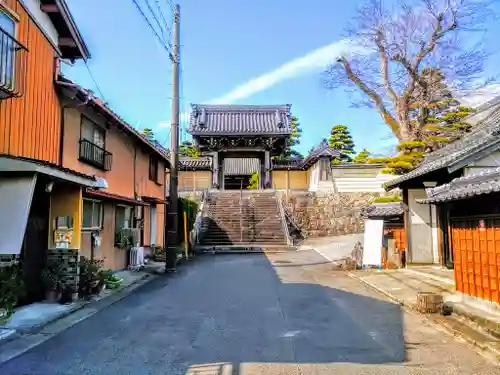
(130, 210)
(5, 11)
(154, 162)
(101, 214)
(95, 126)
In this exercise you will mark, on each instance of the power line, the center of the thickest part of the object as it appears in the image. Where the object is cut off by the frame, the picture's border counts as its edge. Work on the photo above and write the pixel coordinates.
(156, 20)
(165, 23)
(94, 80)
(172, 6)
(158, 37)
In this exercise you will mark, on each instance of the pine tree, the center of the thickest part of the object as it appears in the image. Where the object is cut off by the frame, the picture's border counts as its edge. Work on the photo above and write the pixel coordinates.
(443, 117)
(341, 140)
(149, 134)
(188, 149)
(294, 140)
(445, 124)
(361, 157)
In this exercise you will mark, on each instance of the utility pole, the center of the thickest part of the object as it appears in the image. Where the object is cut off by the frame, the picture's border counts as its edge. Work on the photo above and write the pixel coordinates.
(172, 238)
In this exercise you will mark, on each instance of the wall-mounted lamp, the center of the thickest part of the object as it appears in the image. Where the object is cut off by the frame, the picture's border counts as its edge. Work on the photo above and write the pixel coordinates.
(49, 186)
(100, 183)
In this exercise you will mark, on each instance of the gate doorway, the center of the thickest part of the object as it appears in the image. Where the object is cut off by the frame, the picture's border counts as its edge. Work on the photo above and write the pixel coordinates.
(237, 172)
(236, 182)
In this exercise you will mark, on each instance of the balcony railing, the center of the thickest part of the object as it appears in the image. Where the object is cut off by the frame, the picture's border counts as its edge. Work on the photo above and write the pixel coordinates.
(13, 66)
(94, 155)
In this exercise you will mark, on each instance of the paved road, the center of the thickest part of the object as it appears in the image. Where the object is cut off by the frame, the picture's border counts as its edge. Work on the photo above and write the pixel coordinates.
(286, 314)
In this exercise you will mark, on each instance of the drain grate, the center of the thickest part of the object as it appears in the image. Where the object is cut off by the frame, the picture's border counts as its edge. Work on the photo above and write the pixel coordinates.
(282, 262)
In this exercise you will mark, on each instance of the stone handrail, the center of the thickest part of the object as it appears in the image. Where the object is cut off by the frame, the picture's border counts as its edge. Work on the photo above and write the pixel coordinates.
(286, 230)
(291, 219)
(198, 222)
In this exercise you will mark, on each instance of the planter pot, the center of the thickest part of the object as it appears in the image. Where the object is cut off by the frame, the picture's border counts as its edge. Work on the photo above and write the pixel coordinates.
(52, 295)
(113, 284)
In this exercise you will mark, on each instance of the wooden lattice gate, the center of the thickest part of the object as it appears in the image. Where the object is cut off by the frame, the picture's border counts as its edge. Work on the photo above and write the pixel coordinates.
(475, 243)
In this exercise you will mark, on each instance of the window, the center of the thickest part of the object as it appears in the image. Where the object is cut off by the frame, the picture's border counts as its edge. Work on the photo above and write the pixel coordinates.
(92, 145)
(92, 214)
(92, 132)
(153, 168)
(123, 217)
(8, 48)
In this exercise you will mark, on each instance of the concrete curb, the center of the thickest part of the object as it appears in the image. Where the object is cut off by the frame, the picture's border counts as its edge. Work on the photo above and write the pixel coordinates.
(440, 279)
(441, 324)
(25, 340)
(380, 290)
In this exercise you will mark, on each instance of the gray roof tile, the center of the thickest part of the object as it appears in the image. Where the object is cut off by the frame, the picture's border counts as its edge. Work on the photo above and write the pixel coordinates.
(239, 119)
(323, 149)
(485, 134)
(484, 182)
(385, 209)
(195, 163)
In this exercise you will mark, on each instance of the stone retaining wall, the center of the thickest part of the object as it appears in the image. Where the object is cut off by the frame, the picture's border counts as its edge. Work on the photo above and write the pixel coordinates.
(328, 213)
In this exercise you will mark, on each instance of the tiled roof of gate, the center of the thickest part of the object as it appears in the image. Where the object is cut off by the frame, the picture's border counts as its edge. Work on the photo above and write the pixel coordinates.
(241, 166)
(195, 163)
(323, 149)
(485, 134)
(385, 209)
(485, 182)
(240, 119)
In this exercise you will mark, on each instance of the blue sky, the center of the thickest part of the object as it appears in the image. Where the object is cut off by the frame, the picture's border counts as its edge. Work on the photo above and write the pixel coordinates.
(225, 44)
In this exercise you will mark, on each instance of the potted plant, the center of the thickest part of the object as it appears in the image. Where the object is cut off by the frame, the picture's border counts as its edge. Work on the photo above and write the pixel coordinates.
(113, 282)
(123, 240)
(89, 276)
(51, 277)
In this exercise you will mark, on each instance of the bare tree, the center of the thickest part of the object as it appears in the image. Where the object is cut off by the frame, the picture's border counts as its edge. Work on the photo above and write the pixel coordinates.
(394, 49)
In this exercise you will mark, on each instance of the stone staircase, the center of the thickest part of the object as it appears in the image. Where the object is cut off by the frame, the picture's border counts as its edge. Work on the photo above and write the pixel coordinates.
(243, 219)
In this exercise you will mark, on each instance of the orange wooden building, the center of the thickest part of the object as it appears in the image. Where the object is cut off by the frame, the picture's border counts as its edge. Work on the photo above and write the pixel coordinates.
(473, 231)
(452, 198)
(35, 36)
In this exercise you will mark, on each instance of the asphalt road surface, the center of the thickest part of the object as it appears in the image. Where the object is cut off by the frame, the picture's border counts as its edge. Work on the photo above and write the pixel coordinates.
(252, 314)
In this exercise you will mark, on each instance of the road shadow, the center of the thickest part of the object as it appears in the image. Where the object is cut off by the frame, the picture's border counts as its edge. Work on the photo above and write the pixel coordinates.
(229, 309)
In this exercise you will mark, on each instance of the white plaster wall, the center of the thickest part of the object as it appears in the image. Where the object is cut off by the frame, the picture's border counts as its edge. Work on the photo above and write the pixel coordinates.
(362, 184)
(488, 162)
(314, 181)
(42, 19)
(435, 234)
(423, 229)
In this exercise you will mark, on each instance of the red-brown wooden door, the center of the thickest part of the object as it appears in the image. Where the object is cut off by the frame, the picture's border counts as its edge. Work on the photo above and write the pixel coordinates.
(476, 247)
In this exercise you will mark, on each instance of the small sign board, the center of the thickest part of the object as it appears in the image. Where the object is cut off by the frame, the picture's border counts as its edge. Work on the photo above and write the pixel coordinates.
(372, 248)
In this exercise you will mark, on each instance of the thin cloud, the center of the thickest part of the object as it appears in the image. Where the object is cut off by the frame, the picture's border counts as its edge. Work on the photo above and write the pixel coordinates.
(310, 62)
(480, 95)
